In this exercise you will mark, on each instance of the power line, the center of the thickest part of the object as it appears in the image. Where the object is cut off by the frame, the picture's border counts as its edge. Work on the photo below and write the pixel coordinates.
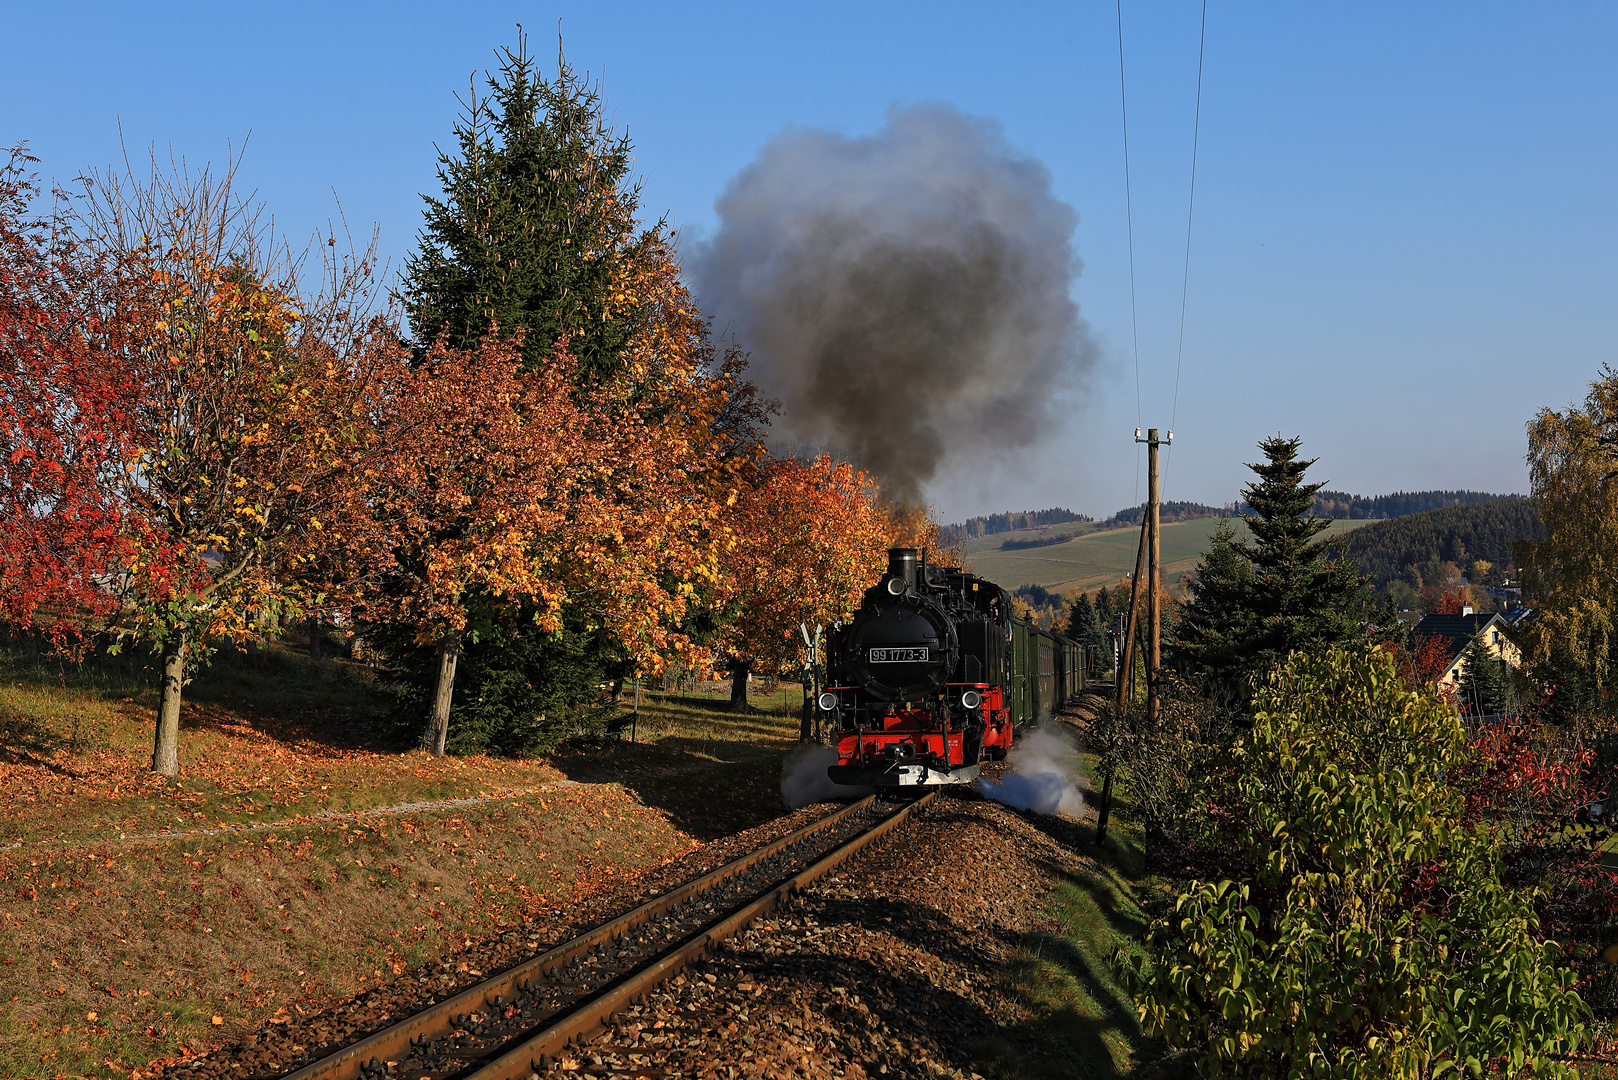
(1190, 209)
(1129, 217)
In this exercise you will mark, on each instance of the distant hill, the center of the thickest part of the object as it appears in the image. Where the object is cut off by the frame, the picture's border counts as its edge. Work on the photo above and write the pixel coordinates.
(1333, 504)
(1340, 504)
(1399, 548)
(1168, 512)
(1011, 521)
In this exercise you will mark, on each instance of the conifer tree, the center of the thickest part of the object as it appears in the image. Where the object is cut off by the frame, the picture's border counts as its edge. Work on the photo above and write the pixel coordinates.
(1304, 593)
(1483, 685)
(1215, 626)
(1085, 628)
(536, 220)
(535, 231)
(1104, 608)
(1254, 603)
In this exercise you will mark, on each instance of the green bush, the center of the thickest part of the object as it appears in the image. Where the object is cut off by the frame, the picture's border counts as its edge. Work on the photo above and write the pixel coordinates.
(1376, 938)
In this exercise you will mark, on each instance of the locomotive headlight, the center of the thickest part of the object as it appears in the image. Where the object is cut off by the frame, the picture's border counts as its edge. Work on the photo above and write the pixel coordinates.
(896, 586)
(971, 699)
(827, 702)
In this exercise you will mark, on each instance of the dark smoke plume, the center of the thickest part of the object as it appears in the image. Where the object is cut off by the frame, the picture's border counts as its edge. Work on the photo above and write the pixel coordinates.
(904, 295)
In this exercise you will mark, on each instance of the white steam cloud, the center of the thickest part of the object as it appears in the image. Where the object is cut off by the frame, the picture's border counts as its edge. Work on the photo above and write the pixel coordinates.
(804, 779)
(906, 296)
(1042, 777)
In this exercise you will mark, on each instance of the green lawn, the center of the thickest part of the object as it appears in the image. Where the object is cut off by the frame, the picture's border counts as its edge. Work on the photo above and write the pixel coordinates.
(1093, 559)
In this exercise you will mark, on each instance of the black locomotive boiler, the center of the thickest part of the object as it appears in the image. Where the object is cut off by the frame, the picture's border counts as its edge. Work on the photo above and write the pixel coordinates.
(936, 673)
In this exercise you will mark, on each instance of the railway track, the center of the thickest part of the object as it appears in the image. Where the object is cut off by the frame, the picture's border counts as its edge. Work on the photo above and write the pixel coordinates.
(518, 1022)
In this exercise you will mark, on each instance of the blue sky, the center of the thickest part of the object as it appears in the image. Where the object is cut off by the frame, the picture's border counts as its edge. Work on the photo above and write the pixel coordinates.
(1405, 235)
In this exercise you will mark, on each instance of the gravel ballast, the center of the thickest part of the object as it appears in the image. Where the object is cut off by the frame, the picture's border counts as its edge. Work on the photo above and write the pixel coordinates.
(888, 969)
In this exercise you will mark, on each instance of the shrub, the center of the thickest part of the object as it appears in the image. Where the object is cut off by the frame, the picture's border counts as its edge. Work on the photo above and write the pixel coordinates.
(1376, 938)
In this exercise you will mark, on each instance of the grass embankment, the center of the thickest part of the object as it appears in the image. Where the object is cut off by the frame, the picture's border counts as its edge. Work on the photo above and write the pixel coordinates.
(1082, 1022)
(295, 861)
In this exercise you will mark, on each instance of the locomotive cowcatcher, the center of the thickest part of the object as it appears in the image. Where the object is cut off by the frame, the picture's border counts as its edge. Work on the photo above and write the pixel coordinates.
(933, 674)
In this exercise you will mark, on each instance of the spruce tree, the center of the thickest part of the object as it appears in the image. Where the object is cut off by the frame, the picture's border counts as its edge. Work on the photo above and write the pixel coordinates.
(1254, 603)
(1213, 634)
(1483, 685)
(1104, 608)
(536, 217)
(1304, 593)
(535, 222)
(1085, 628)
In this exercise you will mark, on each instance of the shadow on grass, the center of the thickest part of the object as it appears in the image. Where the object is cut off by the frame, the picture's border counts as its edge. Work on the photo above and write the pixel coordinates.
(711, 771)
(279, 692)
(1083, 1019)
(25, 741)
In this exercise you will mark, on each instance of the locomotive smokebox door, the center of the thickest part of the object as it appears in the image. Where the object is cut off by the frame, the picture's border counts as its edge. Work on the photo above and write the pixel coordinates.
(903, 652)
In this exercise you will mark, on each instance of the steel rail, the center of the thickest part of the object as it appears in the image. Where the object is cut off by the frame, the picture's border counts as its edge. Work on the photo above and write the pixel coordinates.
(396, 1039)
(590, 1016)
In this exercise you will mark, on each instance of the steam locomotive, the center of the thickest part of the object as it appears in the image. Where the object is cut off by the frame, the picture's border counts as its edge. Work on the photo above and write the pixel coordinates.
(934, 674)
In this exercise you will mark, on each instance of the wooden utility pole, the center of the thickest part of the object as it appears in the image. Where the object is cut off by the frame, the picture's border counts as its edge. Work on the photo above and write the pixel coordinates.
(1126, 664)
(1124, 677)
(1154, 579)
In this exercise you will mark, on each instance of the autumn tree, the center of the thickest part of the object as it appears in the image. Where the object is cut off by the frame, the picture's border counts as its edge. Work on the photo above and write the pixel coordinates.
(810, 538)
(250, 413)
(534, 505)
(64, 422)
(477, 506)
(1571, 576)
(913, 525)
(535, 237)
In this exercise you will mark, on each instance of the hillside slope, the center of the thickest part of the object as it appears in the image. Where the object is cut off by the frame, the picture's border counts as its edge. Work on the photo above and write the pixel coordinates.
(1093, 559)
(1398, 548)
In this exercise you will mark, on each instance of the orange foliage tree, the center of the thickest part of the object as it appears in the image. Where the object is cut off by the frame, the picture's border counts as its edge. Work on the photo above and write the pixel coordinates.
(808, 539)
(486, 475)
(250, 416)
(527, 488)
(914, 526)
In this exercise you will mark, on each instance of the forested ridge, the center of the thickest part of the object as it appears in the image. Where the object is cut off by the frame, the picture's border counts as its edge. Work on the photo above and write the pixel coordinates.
(1334, 504)
(1340, 504)
(1399, 549)
(1010, 521)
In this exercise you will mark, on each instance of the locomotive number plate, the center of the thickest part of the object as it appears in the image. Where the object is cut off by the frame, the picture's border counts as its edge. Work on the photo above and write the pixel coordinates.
(899, 656)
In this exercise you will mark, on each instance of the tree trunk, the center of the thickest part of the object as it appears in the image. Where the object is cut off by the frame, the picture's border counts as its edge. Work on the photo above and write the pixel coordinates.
(738, 685)
(1105, 809)
(314, 638)
(449, 652)
(166, 743)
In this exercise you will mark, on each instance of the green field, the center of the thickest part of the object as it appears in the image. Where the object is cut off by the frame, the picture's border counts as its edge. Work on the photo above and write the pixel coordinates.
(1093, 559)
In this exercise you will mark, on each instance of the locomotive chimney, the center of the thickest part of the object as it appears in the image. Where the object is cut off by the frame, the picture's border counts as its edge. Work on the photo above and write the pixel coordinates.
(902, 565)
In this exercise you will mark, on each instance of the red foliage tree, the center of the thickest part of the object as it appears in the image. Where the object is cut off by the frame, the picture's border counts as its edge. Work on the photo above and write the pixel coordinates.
(250, 416)
(63, 423)
(1423, 664)
(1439, 601)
